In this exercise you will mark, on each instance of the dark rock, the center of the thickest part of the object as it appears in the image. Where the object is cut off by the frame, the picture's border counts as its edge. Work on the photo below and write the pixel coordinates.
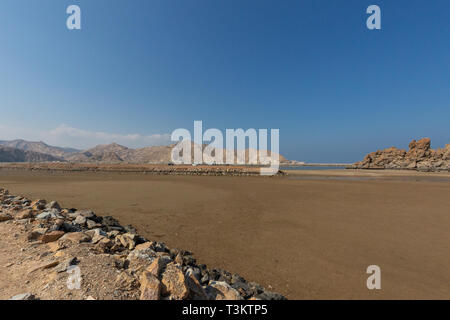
(92, 224)
(220, 275)
(267, 295)
(69, 227)
(237, 278)
(243, 288)
(130, 229)
(205, 278)
(257, 289)
(109, 221)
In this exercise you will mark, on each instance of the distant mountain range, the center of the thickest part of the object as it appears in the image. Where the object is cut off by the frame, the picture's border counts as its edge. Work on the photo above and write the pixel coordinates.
(114, 153)
(8, 154)
(27, 151)
(40, 147)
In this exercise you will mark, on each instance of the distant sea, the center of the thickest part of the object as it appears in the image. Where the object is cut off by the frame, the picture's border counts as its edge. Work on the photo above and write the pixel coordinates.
(312, 168)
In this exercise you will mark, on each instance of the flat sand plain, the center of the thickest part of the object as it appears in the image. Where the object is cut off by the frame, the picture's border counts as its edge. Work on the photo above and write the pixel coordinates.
(308, 235)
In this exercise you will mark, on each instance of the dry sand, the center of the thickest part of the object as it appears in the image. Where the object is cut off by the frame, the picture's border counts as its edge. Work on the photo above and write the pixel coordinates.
(308, 235)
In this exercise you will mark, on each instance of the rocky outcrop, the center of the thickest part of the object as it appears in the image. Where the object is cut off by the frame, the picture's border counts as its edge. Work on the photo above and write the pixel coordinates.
(113, 255)
(156, 169)
(419, 157)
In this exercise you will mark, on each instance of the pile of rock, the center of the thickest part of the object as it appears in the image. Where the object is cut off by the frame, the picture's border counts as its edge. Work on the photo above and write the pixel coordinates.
(157, 271)
(419, 157)
(156, 169)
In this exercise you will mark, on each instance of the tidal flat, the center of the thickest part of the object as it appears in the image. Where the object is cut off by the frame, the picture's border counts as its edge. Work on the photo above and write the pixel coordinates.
(305, 237)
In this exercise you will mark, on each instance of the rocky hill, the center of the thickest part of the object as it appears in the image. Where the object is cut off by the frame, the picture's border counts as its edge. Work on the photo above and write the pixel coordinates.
(115, 153)
(8, 154)
(419, 157)
(26, 151)
(40, 147)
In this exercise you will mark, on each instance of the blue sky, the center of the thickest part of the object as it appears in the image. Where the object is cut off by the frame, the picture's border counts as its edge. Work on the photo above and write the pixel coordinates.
(311, 68)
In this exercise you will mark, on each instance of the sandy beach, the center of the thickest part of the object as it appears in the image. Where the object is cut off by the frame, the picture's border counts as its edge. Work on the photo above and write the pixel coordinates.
(308, 235)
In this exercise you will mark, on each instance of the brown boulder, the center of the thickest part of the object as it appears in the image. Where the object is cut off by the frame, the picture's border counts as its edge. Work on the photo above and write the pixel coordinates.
(174, 284)
(51, 236)
(150, 287)
(143, 246)
(38, 204)
(4, 217)
(104, 245)
(419, 149)
(196, 291)
(218, 290)
(126, 281)
(422, 144)
(36, 234)
(127, 240)
(156, 267)
(24, 214)
(75, 237)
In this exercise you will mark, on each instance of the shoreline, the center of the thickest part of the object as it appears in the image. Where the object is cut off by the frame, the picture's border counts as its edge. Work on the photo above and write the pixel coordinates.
(157, 169)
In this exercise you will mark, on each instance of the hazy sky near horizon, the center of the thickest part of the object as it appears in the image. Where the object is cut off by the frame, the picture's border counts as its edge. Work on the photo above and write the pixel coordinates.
(140, 69)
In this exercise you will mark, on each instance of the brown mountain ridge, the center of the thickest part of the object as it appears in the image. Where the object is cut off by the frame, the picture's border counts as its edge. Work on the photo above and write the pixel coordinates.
(25, 151)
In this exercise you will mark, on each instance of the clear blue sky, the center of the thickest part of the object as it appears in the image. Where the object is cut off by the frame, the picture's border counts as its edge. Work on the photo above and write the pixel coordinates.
(311, 68)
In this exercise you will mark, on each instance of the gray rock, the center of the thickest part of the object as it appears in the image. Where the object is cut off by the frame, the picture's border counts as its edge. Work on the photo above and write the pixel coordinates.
(91, 224)
(243, 288)
(69, 227)
(205, 279)
(130, 229)
(96, 232)
(55, 213)
(267, 295)
(160, 247)
(62, 267)
(51, 213)
(235, 278)
(53, 205)
(43, 216)
(73, 215)
(257, 288)
(111, 224)
(86, 213)
(80, 220)
(195, 272)
(23, 296)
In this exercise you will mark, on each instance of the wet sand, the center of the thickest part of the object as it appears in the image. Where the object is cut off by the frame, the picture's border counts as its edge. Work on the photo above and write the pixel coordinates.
(308, 235)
